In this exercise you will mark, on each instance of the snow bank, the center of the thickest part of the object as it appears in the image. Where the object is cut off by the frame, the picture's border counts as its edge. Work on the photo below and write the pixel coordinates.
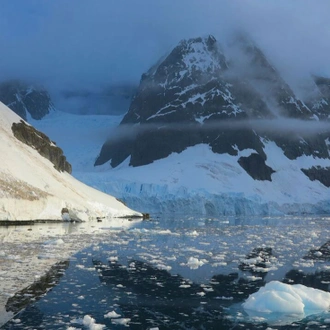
(277, 297)
(31, 188)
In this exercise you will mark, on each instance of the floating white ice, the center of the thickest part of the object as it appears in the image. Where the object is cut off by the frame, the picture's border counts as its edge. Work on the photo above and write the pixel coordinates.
(297, 299)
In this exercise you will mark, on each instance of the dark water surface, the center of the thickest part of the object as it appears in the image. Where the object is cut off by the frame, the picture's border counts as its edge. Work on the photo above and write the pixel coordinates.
(181, 273)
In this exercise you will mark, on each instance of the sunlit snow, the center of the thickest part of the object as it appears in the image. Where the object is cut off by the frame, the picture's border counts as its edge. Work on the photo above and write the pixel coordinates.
(24, 170)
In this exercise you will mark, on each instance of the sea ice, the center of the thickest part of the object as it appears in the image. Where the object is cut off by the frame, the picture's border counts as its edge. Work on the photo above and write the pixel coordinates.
(194, 263)
(112, 315)
(277, 297)
(90, 323)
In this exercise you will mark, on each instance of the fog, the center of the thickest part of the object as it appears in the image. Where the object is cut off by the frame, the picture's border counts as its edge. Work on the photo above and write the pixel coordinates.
(286, 127)
(90, 44)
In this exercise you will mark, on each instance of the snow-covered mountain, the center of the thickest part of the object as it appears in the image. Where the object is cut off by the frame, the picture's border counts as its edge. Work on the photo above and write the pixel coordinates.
(33, 187)
(195, 95)
(253, 147)
(27, 100)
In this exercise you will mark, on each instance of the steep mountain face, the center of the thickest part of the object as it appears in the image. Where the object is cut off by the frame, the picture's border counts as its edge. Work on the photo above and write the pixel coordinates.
(25, 99)
(200, 95)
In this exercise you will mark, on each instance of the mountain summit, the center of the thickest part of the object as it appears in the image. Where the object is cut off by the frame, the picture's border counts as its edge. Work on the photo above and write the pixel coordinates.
(198, 95)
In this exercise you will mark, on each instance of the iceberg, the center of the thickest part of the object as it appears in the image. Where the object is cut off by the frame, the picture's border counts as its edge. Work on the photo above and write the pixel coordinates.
(292, 301)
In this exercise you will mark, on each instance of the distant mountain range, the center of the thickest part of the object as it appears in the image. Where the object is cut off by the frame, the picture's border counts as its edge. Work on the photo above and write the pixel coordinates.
(34, 101)
(199, 95)
(26, 99)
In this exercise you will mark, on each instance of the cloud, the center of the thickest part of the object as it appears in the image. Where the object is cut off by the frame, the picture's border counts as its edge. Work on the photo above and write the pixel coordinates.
(92, 43)
(288, 127)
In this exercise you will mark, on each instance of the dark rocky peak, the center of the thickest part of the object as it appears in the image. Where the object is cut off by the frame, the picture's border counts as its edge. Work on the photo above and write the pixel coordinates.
(191, 59)
(187, 81)
(196, 95)
(25, 99)
(181, 96)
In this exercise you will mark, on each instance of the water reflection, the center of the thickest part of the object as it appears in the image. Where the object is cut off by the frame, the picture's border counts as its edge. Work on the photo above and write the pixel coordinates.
(35, 291)
(145, 274)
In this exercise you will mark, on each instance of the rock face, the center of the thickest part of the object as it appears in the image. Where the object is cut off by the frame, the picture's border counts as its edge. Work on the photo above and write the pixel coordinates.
(197, 94)
(25, 99)
(319, 173)
(39, 141)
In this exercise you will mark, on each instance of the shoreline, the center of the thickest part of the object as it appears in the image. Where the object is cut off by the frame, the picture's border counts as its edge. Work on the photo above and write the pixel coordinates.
(5, 223)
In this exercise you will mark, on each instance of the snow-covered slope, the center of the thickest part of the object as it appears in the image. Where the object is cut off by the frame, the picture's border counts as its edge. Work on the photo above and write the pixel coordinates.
(31, 188)
(195, 181)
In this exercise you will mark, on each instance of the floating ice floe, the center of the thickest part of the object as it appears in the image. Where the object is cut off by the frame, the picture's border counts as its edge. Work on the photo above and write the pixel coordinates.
(112, 315)
(194, 263)
(121, 321)
(293, 301)
(89, 322)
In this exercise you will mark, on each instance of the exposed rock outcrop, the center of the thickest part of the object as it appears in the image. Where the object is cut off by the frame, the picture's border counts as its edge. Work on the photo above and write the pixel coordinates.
(319, 173)
(256, 167)
(39, 141)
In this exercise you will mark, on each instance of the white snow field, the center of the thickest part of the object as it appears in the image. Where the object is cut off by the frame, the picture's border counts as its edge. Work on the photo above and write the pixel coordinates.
(31, 188)
(195, 181)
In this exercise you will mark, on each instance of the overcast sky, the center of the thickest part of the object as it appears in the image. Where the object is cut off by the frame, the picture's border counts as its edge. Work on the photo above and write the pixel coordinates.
(95, 42)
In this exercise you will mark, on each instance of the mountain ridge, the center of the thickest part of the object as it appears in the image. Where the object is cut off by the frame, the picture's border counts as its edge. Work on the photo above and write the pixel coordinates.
(182, 99)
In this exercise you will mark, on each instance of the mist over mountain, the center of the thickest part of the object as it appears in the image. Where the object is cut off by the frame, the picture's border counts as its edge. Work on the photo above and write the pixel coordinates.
(199, 95)
(113, 99)
(26, 99)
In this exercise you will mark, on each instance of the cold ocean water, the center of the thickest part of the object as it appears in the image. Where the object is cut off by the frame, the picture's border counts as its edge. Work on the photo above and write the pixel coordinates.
(180, 272)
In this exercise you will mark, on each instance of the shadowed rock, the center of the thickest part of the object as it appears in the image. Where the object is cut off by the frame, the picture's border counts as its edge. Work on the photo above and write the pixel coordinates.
(40, 142)
(256, 167)
(319, 173)
(25, 99)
